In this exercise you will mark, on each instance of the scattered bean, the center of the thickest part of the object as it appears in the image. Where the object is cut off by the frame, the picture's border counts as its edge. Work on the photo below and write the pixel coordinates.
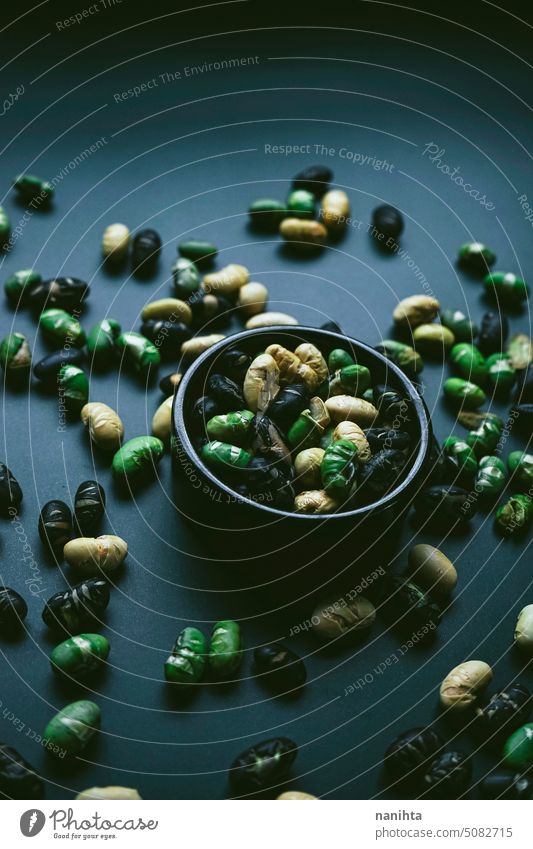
(315, 501)
(280, 668)
(463, 392)
(409, 755)
(314, 178)
(461, 326)
(81, 656)
(5, 227)
(469, 362)
(505, 711)
(145, 250)
(199, 344)
(515, 515)
(162, 421)
(335, 210)
(266, 214)
(507, 784)
(102, 342)
(13, 609)
(518, 749)
(139, 353)
(493, 333)
(345, 407)
(67, 293)
(333, 618)
(303, 234)
(137, 456)
(416, 310)
(167, 309)
(506, 287)
(490, 477)
(15, 357)
(295, 795)
(115, 242)
(200, 252)
(523, 635)
(460, 458)
(10, 491)
(448, 776)
(227, 281)
(55, 526)
(433, 339)
(167, 336)
(431, 569)
(407, 607)
(89, 507)
(476, 257)
(521, 468)
(501, 374)
(60, 328)
(73, 386)
(444, 506)
(301, 204)
(401, 355)
(113, 792)
(464, 684)
(31, 188)
(72, 729)
(105, 426)
(387, 222)
(268, 319)
(18, 285)
(520, 351)
(187, 663)
(262, 766)
(225, 652)
(170, 383)
(18, 779)
(252, 298)
(185, 278)
(485, 437)
(72, 609)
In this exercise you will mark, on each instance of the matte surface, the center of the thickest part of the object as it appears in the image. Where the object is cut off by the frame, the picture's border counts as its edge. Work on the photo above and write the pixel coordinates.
(187, 156)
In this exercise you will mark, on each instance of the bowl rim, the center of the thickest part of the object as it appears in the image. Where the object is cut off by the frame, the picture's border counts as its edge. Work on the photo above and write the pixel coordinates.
(180, 429)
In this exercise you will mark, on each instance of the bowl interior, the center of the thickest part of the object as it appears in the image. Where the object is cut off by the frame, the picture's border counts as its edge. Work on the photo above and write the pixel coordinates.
(253, 342)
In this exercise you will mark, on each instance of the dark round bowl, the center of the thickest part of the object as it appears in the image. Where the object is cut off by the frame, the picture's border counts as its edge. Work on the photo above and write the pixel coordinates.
(216, 508)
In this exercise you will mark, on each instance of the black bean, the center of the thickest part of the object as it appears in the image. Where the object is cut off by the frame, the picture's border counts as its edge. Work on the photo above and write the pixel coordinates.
(505, 784)
(436, 466)
(66, 293)
(393, 407)
(167, 336)
(203, 409)
(384, 437)
(280, 668)
(262, 766)
(411, 752)
(13, 609)
(314, 178)
(226, 393)
(288, 404)
(79, 606)
(267, 480)
(381, 473)
(444, 506)
(215, 310)
(170, 383)
(493, 332)
(504, 712)
(55, 526)
(447, 777)
(18, 779)
(387, 222)
(234, 364)
(332, 326)
(266, 438)
(89, 507)
(47, 369)
(407, 607)
(145, 250)
(10, 491)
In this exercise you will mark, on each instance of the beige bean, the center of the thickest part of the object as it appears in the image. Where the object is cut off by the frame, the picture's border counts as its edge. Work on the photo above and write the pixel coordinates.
(319, 412)
(252, 298)
(346, 407)
(314, 501)
(261, 383)
(311, 356)
(303, 233)
(431, 570)
(227, 281)
(523, 635)
(463, 684)
(307, 468)
(192, 348)
(433, 339)
(105, 426)
(267, 319)
(335, 210)
(296, 796)
(416, 310)
(339, 616)
(91, 556)
(167, 309)
(115, 241)
(112, 792)
(287, 362)
(162, 421)
(353, 433)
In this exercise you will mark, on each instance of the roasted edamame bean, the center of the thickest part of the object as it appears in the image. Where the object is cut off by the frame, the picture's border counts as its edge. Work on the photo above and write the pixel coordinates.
(469, 362)
(303, 234)
(89, 507)
(102, 343)
(520, 466)
(463, 392)
(105, 426)
(81, 656)
(515, 515)
(500, 373)
(137, 456)
(5, 228)
(73, 386)
(139, 353)
(262, 766)
(415, 310)
(520, 351)
(55, 526)
(185, 278)
(198, 251)
(18, 285)
(31, 188)
(266, 214)
(518, 748)
(72, 729)
(485, 437)
(476, 257)
(187, 663)
(225, 651)
(401, 355)
(60, 328)
(224, 457)
(460, 458)
(338, 468)
(506, 287)
(335, 618)
(71, 610)
(15, 357)
(490, 477)
(13, 609)
(433, 339)
(115, 242)
(230, 427)
(463, 685)
(461, 326)
(301, 204)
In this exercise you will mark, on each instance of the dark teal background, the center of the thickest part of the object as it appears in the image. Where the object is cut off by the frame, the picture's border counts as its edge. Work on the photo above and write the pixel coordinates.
(187, 157)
